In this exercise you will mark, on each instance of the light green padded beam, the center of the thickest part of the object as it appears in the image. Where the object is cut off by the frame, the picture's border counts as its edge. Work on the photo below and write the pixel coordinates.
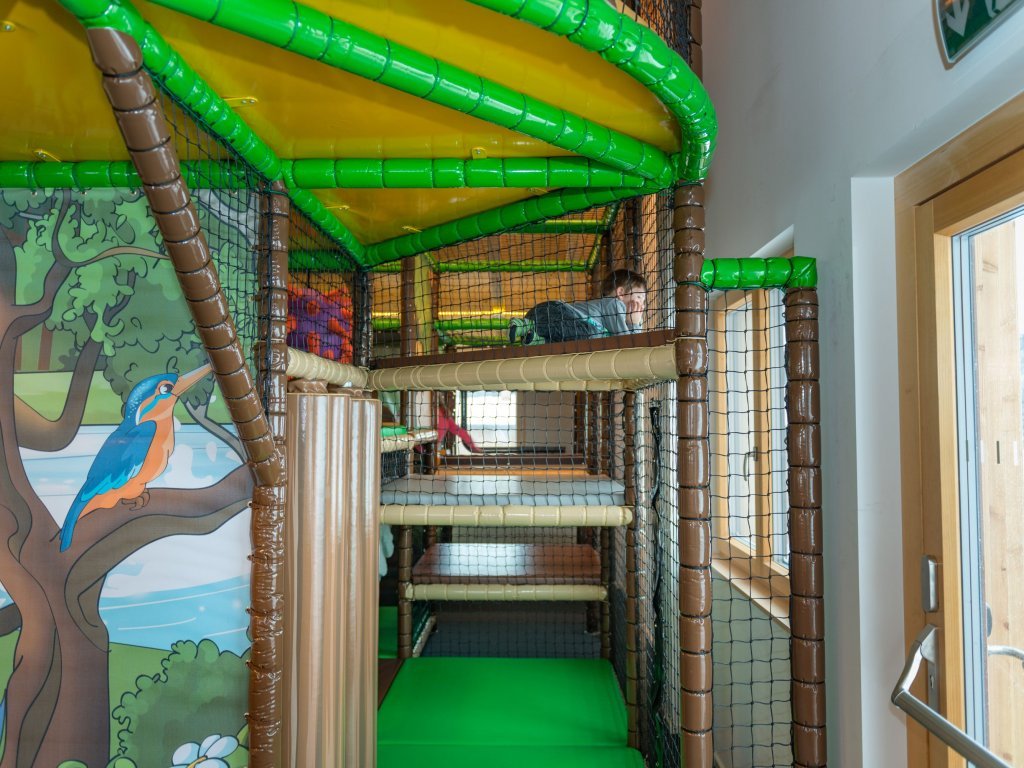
(748, 274)
(176, 77)
(349, 173)
(497, 220)
(641, 54)
(335, 42)
(450, 173)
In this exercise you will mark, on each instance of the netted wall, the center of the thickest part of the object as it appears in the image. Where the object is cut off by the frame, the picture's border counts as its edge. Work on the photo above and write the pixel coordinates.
(750, 525)
(611, 264)
(226, 192)
(322, 293)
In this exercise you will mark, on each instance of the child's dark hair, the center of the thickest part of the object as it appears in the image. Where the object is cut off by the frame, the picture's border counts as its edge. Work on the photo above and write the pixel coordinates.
(626, 279)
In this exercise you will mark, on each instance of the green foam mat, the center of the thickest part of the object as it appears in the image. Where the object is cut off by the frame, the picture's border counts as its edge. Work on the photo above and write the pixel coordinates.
(449, 756)
(387, 633)
(493, 702)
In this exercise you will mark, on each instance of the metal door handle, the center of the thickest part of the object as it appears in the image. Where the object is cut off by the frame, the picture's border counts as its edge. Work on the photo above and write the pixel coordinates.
(924, 649)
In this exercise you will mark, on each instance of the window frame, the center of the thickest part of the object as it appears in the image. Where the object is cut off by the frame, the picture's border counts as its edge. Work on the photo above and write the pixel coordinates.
(751, 570)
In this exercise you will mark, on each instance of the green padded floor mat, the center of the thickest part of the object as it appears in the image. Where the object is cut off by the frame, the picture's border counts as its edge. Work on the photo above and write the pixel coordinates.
(492, 702)
(387, 634)
(451, 756)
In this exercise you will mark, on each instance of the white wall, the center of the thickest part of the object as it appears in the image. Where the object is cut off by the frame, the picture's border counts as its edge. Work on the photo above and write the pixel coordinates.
(821, 103)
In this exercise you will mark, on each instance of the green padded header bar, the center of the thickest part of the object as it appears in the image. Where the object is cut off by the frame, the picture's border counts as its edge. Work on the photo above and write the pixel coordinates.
(747, 274)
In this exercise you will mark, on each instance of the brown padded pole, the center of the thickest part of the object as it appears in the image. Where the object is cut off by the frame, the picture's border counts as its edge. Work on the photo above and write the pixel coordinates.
(806, 602)
(403, 544)
(144, 129)
(694, 453)
(632, 571)
(694, 480)
(267, 525)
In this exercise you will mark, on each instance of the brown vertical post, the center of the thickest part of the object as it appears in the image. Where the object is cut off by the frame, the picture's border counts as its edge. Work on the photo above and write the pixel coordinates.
(632, 628)
(403, 543)
(143, 126)
(694, 454)
(272, 382)
(806, 602)
(694, 480)
(606, 572)
(579, 430)
(407, 330)
(362, 284)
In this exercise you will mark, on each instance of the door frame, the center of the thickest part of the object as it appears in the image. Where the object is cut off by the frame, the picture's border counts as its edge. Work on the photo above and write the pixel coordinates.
(971, 179)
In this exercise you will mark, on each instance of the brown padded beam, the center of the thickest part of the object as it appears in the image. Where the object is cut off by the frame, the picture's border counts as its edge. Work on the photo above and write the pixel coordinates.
(694, 481)
(508, 564)
(807, 599)
(144, 129)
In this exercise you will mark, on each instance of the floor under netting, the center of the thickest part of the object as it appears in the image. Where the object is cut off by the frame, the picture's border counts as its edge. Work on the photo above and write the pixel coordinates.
(504, 713)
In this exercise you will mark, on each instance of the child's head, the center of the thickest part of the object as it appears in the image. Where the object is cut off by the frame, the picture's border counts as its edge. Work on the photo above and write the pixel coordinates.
(624, 284)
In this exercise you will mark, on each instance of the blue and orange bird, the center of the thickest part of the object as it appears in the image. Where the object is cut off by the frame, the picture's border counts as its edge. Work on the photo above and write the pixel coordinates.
(136, 453)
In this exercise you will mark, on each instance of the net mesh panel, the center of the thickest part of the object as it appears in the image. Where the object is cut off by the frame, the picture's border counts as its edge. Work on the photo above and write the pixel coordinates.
(657, 574)
(320, 292)
(747, 382)
(226, 192)
(468, 295)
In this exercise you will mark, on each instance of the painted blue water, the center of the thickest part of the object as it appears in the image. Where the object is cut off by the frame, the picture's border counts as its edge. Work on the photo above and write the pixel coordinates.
(181, 587)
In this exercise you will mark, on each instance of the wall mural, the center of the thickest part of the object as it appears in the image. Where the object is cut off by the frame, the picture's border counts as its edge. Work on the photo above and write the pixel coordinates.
(123, 493)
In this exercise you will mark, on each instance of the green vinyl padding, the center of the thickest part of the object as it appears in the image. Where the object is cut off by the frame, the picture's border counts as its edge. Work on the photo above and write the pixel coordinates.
(492, 702)
(387, 633)
(393, 431)
(451, 756)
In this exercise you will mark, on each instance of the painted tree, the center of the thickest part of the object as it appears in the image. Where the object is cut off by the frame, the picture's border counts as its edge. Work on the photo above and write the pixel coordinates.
(89, 265)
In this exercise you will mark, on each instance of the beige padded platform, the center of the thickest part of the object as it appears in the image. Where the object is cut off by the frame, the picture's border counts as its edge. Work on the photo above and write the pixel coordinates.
(501, 490)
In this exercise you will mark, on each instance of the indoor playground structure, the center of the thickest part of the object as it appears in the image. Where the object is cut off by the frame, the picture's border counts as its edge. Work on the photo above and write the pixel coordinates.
(471, 544)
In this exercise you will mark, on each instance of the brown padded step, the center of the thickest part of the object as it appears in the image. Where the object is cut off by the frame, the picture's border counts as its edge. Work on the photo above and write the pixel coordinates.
(508, 564)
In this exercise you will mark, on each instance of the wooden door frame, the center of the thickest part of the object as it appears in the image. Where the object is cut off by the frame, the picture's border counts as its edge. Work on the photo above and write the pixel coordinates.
(963, 183)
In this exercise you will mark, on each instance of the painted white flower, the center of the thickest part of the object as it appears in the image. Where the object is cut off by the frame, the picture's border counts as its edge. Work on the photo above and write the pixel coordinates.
(208, 754)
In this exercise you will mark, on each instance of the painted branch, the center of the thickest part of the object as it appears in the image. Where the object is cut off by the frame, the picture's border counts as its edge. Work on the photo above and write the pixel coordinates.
(144, 128)
(807, 598)
(510, 515)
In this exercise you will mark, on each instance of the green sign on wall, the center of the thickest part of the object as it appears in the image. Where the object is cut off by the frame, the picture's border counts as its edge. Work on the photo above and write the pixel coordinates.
(962, 23)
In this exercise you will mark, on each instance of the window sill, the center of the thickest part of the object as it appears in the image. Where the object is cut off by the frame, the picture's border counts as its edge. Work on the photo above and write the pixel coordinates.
(754, 588)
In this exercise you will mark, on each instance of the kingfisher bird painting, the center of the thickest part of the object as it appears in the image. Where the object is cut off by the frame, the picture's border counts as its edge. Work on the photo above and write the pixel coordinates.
(136, 453)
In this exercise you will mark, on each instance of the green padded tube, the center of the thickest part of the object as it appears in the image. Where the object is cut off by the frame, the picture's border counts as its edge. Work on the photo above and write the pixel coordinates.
(640, 53)
(337, 43)
(747, 274)
(176, 77)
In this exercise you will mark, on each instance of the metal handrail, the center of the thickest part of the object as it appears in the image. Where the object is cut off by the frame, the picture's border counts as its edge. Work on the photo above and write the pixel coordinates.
(924, 648)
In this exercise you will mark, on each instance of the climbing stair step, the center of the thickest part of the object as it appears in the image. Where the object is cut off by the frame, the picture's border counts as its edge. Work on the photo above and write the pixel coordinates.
(509, 564)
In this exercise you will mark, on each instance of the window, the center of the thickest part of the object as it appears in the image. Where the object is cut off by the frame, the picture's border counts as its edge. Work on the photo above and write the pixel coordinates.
(746, 340)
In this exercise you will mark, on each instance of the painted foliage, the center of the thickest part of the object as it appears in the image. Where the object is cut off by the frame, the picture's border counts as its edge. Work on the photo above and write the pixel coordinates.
(123, 494)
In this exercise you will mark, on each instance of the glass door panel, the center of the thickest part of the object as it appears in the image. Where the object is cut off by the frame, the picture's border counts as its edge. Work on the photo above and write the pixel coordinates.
(988, 292)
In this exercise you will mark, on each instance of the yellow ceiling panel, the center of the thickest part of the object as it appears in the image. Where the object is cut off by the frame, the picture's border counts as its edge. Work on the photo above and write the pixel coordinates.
(50, 94)
(380, 214)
